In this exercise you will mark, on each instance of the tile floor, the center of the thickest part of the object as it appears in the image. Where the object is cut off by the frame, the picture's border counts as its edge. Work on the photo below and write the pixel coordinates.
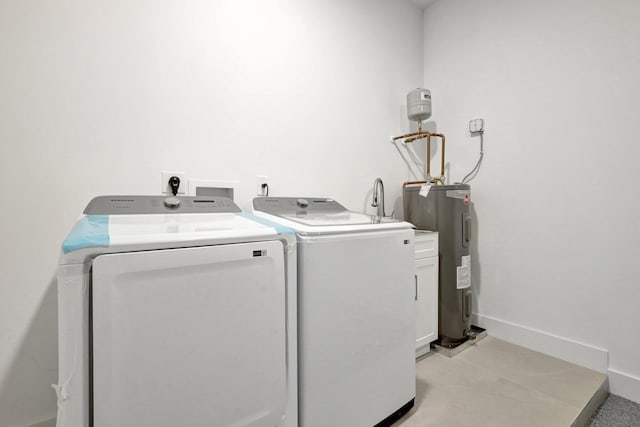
(494, 383)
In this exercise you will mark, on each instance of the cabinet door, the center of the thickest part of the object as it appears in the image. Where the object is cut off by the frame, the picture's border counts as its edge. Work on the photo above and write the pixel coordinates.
(426, 303)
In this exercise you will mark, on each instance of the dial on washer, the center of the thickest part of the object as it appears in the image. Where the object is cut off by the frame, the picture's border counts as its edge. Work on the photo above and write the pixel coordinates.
(172, 202)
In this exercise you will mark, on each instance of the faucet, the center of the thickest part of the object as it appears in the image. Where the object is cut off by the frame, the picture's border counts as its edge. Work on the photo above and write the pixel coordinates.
(380, 205)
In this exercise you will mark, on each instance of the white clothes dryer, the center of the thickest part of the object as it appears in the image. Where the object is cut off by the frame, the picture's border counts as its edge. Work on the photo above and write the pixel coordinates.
(176, 312)
(356, 312)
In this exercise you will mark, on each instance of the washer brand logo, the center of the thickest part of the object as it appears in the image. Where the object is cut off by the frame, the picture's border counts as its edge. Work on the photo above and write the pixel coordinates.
(260, 252)
(406, 242)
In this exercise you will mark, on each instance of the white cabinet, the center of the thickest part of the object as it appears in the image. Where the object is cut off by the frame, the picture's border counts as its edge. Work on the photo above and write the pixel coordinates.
(426, 271)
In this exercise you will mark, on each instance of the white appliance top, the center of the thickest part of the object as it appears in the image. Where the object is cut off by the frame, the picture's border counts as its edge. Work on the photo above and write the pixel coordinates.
(114, 224)
(320, 216)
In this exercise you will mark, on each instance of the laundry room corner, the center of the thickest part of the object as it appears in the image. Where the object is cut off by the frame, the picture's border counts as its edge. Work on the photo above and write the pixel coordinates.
(554, 251)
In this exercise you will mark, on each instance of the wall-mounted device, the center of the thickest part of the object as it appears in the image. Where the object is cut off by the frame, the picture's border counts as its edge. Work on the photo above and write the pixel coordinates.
(476, 126)
(419, 105)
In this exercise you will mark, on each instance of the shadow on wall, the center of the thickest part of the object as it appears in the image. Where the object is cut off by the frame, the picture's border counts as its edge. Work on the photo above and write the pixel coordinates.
(366, 204)
(476, 269)
(26, 396)
(420, 147)
(398, 209)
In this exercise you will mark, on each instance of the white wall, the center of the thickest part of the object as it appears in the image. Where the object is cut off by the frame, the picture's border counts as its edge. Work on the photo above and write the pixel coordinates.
(97, 97)
(556, 198)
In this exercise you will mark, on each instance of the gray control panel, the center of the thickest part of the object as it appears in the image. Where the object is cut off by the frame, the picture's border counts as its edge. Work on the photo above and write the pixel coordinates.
(292, 205)
(136, 205)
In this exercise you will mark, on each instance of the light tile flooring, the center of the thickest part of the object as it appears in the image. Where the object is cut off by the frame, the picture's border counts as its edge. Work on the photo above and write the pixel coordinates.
(494, 383)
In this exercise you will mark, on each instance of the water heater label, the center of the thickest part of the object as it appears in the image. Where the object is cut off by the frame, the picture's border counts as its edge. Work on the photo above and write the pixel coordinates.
(466, 261)
(424, 190)
(464, 277)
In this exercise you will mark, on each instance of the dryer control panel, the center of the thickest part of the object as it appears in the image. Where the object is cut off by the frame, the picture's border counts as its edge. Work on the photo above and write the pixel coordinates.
(287, 205)
(314, 211)
(141, 205)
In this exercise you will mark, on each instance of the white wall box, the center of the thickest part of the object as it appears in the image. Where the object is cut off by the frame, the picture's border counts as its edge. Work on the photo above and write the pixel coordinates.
(426, 247)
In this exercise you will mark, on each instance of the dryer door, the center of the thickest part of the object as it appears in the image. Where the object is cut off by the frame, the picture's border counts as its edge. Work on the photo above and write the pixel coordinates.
(190, 337)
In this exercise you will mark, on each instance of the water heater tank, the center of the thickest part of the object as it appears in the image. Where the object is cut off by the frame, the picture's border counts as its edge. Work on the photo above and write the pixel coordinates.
(419, 105)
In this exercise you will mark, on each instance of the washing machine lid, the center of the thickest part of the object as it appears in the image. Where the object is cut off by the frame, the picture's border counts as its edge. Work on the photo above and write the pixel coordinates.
(308, 215)
(113, 224)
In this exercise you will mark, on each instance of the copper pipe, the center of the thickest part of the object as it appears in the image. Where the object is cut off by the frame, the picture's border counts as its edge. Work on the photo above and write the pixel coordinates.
(442, 164)
(410, 134)
(414, 136)
(433, 180)
(428, 157)
(412, 183)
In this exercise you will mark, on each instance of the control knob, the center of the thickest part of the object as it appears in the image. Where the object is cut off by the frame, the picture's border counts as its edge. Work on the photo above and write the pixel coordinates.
(172, 202)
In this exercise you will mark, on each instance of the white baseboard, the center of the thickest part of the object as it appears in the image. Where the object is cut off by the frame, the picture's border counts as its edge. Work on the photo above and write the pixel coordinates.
(625, 385)
(560, 347)
(620, 383)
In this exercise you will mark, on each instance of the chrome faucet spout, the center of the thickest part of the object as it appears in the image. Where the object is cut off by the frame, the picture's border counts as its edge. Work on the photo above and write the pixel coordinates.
(378, 197)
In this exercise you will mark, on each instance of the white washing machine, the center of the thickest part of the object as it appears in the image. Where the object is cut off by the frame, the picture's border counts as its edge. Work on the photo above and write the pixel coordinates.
(176, 312)
(356, 312)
